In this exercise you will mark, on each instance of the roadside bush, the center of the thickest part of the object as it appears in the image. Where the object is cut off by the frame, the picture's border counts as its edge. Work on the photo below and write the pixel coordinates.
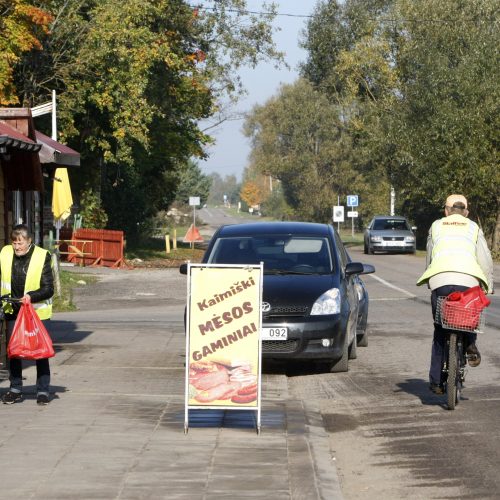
(275, 206)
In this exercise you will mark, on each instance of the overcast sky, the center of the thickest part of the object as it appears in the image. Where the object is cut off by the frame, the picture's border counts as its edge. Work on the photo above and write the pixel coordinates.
(229, 154)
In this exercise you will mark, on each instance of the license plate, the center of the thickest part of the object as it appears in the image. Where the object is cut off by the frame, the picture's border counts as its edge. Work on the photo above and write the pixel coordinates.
(394, 243)
(274, 333)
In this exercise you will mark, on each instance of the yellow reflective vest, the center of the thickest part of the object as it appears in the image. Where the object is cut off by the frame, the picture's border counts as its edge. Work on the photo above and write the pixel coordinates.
(454, 240)
(33, 278)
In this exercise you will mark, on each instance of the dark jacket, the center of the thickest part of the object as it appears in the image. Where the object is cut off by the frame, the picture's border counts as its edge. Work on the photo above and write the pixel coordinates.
(19, 272)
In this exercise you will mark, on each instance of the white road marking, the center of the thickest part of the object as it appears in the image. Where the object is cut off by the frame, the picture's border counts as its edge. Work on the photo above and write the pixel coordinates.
(390, 285)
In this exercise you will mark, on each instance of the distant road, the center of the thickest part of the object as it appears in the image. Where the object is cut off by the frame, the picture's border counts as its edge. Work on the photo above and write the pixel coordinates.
(214, 217)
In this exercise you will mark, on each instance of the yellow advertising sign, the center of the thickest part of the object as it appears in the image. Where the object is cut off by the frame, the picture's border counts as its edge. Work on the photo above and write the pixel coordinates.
(223, 337)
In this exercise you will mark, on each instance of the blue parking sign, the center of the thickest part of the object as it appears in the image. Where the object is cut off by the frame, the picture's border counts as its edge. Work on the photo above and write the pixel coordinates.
(352, 200)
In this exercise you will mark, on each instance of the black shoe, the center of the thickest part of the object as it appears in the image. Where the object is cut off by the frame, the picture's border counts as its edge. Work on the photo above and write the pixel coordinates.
(473, 355)
(42, 399)
(436, 388)
(9, 398)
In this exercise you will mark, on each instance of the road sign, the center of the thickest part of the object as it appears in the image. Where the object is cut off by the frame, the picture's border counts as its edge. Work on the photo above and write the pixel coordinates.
(193, 235)
(352, 214)
(352, 200)
(338, 214)
(194, 201)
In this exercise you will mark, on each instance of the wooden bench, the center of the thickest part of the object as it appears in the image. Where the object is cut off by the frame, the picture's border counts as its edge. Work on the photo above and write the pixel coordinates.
(73, 250)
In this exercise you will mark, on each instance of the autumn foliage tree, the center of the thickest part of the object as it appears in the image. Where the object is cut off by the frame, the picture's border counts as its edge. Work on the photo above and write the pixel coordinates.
(134, 80)
(21, 24)
(251, 193)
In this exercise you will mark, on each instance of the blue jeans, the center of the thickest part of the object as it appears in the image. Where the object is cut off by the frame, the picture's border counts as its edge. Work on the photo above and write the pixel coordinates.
(16, 369)
(441, 335)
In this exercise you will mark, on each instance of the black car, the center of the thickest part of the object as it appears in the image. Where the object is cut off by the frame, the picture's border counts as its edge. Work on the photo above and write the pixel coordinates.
(313, 298)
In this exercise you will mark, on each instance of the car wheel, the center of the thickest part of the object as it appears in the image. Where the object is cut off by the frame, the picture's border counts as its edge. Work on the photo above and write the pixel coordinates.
(353, 353)
(370, 250)
(342, 365)
(363, 339)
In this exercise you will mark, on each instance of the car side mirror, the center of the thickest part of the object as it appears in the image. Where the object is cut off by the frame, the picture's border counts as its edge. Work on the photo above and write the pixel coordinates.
(183, 269)
(368, 269)
(358, 268)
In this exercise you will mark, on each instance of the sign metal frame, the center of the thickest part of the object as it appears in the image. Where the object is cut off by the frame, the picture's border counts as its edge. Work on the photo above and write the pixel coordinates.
(258, 272)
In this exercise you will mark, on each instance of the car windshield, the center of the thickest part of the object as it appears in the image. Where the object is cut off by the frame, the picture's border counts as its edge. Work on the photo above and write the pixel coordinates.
(281, 254)
(388, 224)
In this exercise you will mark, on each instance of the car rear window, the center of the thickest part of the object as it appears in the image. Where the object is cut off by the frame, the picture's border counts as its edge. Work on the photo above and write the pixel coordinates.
(305, 254)
(387, 224)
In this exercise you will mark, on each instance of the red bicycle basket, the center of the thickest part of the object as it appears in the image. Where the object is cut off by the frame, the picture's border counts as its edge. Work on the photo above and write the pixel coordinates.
(462, 310)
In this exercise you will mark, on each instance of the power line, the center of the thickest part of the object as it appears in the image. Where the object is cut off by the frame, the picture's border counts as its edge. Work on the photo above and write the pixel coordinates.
(246, 12)
(257, 13)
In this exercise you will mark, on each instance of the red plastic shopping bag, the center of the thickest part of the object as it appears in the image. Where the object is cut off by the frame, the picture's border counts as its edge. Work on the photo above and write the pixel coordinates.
(463, 309)
(29, 339)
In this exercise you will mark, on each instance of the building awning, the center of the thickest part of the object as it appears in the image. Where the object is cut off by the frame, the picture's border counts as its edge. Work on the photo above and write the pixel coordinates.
(19, 160)
(13, 139)
(54, 152)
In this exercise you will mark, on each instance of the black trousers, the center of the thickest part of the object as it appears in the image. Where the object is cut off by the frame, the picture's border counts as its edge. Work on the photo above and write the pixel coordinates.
(16, 369)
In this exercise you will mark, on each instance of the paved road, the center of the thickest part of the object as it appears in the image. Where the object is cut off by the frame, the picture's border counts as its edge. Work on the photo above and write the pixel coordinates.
(114, 427)
(391, 437)
(213, 217)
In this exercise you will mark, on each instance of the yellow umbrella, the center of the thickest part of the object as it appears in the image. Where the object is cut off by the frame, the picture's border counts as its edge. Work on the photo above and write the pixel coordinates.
(61, 195)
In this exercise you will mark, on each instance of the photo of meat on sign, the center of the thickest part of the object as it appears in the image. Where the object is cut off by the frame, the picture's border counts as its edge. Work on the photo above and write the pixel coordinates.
(222, 380)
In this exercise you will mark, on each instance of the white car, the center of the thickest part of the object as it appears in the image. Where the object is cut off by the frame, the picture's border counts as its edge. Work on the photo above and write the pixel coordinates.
(387, 233)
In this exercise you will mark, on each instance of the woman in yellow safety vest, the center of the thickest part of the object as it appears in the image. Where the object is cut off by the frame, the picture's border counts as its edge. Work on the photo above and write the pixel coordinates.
(26, 274)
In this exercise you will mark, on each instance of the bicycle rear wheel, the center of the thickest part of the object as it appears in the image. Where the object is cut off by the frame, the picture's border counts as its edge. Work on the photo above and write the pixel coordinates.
(453, 384)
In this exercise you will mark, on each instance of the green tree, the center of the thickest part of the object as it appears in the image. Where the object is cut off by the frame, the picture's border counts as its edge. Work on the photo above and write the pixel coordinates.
(335, 30)
(445, 125)
(350, 61)
(192, 183)
(93, 215)
(416, 83)
(298, 138)
(135, 77)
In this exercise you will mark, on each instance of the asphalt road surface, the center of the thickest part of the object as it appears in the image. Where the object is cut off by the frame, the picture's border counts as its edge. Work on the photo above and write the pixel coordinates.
(390, 436)
(213, 217)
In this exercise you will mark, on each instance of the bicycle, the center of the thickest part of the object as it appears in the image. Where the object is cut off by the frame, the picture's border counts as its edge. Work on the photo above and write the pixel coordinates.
(457, 321)
(3, 332)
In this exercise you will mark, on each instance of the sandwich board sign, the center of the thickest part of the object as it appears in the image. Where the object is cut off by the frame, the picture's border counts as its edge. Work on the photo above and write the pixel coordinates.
(223, 348)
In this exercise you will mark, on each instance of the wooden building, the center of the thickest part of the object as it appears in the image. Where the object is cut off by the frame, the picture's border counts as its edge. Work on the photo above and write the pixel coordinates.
(26, 157)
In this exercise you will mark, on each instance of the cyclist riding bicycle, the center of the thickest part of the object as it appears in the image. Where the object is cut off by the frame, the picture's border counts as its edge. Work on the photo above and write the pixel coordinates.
(458, 258)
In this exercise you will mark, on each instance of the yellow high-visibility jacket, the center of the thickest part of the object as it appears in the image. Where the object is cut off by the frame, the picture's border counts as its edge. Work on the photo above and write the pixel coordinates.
(33, 276)
(454, 240)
